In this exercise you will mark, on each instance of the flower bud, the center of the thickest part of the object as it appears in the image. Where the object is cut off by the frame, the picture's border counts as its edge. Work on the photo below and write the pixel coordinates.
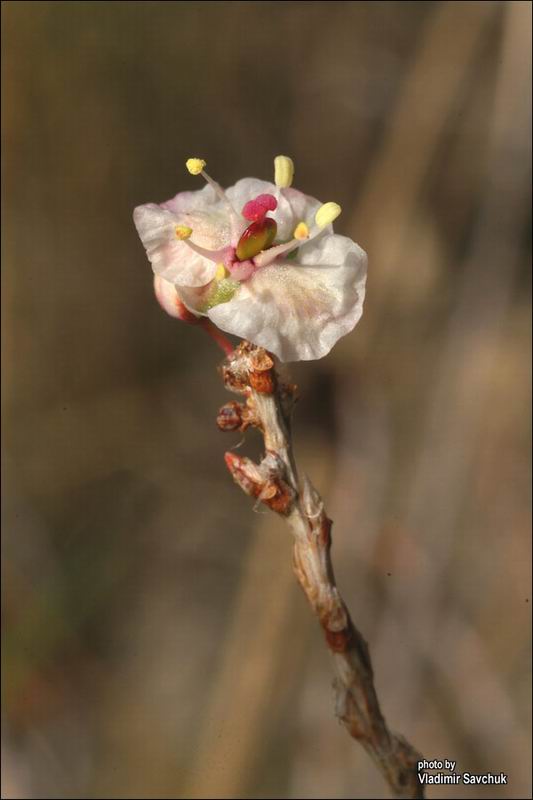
(230, 416)
(245, 473)
(169, 300)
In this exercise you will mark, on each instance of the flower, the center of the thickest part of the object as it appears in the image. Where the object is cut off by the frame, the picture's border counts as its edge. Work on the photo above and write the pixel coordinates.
(259, 259)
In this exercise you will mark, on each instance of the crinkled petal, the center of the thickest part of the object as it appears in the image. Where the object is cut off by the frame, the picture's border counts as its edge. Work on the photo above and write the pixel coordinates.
(173, 260)
(299, 310)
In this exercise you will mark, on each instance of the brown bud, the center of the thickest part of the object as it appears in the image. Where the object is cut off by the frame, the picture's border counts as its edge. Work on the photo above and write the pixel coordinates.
(261, 360)
(262, 382)
(268, 491)
(280, 497)
(230, 416)
(233, 380)
(253, 480)
(245, 473)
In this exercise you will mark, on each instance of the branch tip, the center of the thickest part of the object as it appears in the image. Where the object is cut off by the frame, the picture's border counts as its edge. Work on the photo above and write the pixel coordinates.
(250, 371)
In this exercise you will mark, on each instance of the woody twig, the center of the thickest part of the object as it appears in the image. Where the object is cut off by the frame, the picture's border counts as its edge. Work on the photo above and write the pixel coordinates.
(250, 372)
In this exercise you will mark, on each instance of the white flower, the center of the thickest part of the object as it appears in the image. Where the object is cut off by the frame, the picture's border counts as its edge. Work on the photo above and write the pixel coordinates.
(260, 260)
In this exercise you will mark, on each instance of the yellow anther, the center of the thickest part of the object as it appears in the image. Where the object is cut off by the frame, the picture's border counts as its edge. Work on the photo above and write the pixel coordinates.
(301, 231)
(195, 165)
(327, 213)
(283, 171)
(182, 232)
(221, 272)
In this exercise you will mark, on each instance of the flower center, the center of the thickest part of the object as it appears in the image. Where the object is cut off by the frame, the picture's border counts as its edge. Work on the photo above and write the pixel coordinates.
(261, 233)
(254, 247)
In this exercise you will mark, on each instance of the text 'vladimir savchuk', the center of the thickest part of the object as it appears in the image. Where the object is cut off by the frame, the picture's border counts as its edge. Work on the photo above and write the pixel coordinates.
(449, 776)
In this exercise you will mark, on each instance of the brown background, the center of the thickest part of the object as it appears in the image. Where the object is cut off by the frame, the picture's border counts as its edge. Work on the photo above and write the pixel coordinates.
(155, 644)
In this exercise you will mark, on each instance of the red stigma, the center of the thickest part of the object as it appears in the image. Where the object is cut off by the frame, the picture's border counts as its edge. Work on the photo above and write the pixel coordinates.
(255, 210)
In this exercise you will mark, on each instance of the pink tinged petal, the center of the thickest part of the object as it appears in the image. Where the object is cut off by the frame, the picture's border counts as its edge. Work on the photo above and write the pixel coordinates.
(299, 311)
(169, 300)
(171, 259)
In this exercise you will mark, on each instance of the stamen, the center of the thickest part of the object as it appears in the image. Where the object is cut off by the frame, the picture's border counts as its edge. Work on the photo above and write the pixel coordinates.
(268, 256)
(221, 272)
(283, 171)
(196, 167)
(183, 232)
(324, 216)
(301, 235)
(301, 232)
(327, 213)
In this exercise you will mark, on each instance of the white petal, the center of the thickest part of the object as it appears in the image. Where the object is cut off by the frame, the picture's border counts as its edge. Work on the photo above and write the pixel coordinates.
(303, 206)
(247, 189)
(171, 259)
(298, 311)
(201, 200)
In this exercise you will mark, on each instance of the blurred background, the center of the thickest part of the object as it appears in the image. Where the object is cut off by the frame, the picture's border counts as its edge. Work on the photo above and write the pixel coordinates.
(155, 642)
